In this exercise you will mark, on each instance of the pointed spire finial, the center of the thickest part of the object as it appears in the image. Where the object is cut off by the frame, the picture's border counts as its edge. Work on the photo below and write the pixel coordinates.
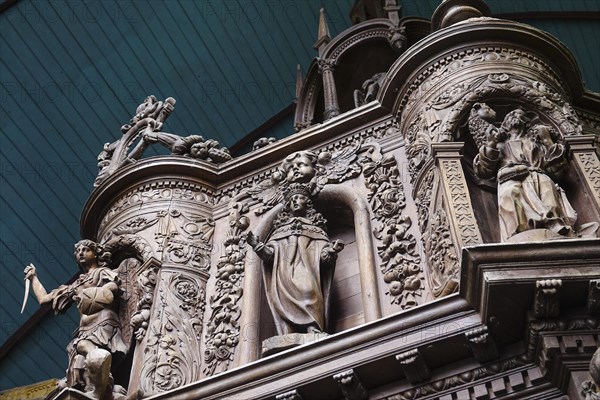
(324, 36)
(298, 82)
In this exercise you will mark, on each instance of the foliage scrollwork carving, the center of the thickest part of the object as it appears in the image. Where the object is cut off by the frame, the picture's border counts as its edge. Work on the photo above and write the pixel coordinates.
(400, 259)
(223, 330)
(442, 258)
(171, 355)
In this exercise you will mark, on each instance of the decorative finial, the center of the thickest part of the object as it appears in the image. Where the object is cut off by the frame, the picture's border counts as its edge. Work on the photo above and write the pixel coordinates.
(324, 36)
(450, 12)
(298, 82)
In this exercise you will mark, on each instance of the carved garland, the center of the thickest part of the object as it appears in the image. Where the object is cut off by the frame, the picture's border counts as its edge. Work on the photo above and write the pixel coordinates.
(400, 259)
(223, 329)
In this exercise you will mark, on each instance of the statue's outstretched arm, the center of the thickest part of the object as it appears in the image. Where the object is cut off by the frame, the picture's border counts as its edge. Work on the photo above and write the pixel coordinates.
(39, 291)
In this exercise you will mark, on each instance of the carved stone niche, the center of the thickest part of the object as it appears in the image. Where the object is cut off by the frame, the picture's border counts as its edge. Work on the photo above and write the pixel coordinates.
(437, 104)
(159, 209)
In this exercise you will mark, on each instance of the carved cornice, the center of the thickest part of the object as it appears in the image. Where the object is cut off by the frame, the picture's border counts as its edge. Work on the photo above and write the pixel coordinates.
(537, 48)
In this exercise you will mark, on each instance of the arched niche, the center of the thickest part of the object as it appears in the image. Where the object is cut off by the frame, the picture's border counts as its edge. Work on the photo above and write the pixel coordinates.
(357, 262)
(357, 54)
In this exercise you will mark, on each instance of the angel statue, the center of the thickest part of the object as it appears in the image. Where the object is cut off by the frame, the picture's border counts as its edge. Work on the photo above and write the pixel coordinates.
(299, 258)
(98, 339)
(527, 160)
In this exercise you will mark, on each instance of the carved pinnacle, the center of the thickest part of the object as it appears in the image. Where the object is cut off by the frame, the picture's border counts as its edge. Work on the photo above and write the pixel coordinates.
(547, 298)
(291, 395)
(351, 386)
(413, 366)
(482, 344)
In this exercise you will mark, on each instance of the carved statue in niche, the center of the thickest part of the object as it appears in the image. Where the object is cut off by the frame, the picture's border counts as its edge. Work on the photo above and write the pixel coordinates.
(527, 161)
(369, 91)
(299, 259)
(96, 293)
(299, 265)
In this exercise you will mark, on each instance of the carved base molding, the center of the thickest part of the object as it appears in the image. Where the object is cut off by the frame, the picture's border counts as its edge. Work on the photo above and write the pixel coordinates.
(278, 344)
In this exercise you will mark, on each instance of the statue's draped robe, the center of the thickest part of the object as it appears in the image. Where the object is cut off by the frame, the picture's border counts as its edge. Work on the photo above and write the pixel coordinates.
(527, 197)
(297, 281)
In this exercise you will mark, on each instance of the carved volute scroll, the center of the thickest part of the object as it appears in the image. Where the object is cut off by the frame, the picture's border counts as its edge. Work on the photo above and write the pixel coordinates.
(145, 126)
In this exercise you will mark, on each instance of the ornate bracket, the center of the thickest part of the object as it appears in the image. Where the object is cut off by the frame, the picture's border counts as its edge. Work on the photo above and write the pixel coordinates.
(482, 344)
(547, 298)
(351, 386)
(414, 366)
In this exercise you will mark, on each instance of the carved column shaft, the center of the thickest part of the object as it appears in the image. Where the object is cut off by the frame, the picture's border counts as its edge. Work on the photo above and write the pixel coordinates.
(332, 107)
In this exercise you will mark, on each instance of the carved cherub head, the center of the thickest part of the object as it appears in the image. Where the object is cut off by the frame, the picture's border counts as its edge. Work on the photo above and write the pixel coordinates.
(90, 254)
(299, 167)
(483, 111)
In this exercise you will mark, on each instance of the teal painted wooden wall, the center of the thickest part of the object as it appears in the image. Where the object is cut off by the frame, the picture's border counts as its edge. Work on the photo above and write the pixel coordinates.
(71, 73)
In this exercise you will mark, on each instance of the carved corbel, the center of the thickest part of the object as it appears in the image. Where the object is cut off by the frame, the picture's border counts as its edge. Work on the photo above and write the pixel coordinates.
(414, 366)
(593, 303)
(547, 298)
(291, 395)
(482, 344)
(351, 386)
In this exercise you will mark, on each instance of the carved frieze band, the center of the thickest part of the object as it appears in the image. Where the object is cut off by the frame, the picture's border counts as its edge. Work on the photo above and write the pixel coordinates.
(458, 61)
(381, 130)
(159, 191)
(459, 202)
